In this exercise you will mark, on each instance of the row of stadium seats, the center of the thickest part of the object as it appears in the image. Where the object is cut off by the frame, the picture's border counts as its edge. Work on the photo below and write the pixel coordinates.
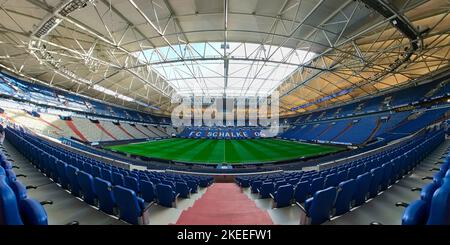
(358, 131)
(435, 89)
(336, 190)
(433, 206)
(92, 131)
(16, 208)
(32, 92)
(116, 191)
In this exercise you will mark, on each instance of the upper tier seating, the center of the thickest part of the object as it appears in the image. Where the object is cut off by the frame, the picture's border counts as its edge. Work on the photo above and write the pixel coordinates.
(361, 129)
(54, 126)
(17, 88)
(408, 96)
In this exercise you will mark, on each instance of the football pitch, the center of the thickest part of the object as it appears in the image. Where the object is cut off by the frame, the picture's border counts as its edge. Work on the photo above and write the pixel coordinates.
(211, 151)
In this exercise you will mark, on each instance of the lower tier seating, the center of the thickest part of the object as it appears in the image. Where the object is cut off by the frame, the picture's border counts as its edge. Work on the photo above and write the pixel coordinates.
(16, 208)
(335, 191)
(116, 191)
(433, 206)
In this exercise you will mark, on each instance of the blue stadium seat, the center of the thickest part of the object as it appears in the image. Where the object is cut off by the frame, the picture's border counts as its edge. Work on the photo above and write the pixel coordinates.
(117, 179)
(19, 190)
(301, 191)
(106, 200)
(244, 183)
(415, 214)
(106, 175)
(362, 192)
(86, 183)
(71, 173)
(439, 209)
(387, 173)
(132, 183)
(316, 185)
(375, 184)
(96, 171)
(62, 178)
(33, 213)
(279, 183)
(147, 191)
(131, 208)
(266, 189)
(9, 210)
(255, 185)
(283, 196)
(352, 173)
(169, 183)
(88, 168)
(166, 195)
(318, 208)
(331, 180)
(341, 176)
(346, 190)
(182, 189)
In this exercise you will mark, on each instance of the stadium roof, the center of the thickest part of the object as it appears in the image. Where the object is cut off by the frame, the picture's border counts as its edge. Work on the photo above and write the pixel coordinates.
(138, 53)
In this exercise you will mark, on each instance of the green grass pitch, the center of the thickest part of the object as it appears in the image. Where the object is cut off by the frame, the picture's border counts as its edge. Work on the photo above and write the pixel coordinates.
(211, 151)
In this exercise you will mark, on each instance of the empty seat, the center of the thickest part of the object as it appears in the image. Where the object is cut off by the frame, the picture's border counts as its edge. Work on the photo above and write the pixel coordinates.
(106, 175)
(387, 173)
(317, 184)
(363, 186)
(96, 171)
(440, 203)
(86, 183)
(341, 176)
(301, 191)
(317, 209)
(244, 183)
(71, 173)
(375, 184)
(182, 189)
(331, 180)
(352, 173)
(166, 195)
(415, 214)
(132, 183)
(279, 183)
(32, 212)
(131, 208)
(255, 185)
(147, 190)
(19, 190)
(117, 179)
(106, 200)
(9, 210)
(169, 182)
(345, 195)
(62, 176)
(87, 167)
(266, 189)
(283, 196)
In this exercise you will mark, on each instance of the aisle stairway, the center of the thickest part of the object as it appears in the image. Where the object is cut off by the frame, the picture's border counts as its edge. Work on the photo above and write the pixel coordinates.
(224, 204)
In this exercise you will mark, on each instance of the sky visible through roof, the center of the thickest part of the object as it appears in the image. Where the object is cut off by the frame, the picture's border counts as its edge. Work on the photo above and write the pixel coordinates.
(198, 69)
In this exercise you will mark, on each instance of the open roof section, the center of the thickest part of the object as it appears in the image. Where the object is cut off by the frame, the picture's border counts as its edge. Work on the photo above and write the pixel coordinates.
(97, 45)
(206, 69)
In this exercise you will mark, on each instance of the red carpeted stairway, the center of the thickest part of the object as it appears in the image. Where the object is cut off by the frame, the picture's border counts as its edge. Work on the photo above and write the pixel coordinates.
(224, 204)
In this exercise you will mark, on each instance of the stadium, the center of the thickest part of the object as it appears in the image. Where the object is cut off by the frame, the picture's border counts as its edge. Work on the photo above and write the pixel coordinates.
(224, 112)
